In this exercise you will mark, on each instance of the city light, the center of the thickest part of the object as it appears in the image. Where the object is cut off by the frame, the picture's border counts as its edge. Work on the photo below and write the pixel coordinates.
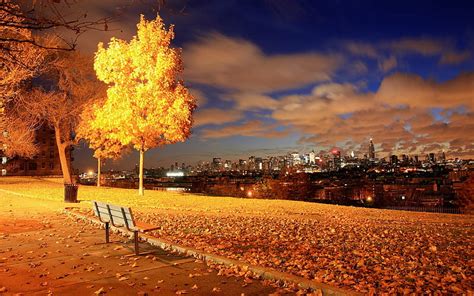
(249, 193)
(175, 174)
(90, 172)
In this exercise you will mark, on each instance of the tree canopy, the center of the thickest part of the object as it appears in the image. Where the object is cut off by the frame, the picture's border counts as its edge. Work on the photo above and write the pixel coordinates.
(147, 104)
(145, 97)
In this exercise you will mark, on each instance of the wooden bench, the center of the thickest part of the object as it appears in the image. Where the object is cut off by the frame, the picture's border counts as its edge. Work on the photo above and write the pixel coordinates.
(120, 217)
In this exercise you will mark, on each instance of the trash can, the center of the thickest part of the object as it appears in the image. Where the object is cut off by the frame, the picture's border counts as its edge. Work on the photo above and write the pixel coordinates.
(70, 192)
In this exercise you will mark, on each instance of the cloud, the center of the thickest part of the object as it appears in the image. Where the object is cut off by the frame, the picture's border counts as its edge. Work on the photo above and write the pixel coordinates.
(388, 64)
(423, 46)
(397, 115)
(320, 110)
(216, 116)
(407, 45)
(237, 64)
(252, 101)
(201, 99)
(253, 128)
(361, 49)
(413, 90)
(451, 58)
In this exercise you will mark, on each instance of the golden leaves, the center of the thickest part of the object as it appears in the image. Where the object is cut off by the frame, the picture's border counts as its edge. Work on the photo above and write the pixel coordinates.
(103, 146)
(365, 250)
(147, 105)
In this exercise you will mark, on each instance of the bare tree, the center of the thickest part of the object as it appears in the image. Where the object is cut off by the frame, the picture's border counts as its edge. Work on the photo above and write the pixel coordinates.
(44, 16)
(58, 97)
(18, 138)
(23, 45)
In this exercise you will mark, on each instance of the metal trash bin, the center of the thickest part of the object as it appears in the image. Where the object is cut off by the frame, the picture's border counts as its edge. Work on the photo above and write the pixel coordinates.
(70, 193)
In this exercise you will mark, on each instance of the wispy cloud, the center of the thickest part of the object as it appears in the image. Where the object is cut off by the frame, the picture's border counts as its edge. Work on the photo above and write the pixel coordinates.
(239, 65)
(216, 116)
(252, 128)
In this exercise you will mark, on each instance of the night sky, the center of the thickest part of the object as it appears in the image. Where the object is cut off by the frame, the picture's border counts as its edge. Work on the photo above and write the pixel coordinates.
(272, 77)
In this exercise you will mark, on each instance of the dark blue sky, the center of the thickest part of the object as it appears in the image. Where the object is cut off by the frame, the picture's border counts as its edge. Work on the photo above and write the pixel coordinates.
(276, 76)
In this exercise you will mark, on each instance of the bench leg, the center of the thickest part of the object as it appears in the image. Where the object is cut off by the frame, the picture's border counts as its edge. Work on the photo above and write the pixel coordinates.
(135, 239)
(107, 232)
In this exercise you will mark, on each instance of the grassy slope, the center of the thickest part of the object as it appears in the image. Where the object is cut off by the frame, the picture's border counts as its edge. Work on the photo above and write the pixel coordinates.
(52, 189)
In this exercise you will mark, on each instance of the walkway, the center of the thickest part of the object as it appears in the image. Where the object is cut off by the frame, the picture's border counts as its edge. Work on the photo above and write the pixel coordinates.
(43, 251)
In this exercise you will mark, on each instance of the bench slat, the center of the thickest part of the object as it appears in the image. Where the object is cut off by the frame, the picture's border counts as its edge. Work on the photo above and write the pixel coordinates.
(115, 214)
(145, 227)
(113, 208)
(119, 216)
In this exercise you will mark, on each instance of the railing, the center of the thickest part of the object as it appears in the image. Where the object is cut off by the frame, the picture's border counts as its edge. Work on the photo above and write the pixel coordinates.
(428, 209)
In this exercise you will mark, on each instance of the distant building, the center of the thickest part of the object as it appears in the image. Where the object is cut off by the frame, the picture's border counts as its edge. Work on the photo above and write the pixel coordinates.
(217, 163)
(442, 157)
(242, 164)
(394, 160)
(228, 165)
(45, 163)
(371, 150)
(432, 158)
(258, 163)
(336, 159)
(295, 158)
(312, 157)
(251, 163)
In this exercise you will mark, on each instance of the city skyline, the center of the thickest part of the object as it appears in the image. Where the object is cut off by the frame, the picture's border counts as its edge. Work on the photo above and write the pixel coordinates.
(320, 159)
(279, 76)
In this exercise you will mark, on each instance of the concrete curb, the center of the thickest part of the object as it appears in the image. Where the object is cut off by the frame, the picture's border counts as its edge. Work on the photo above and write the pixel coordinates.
(262, 272)
(16, 193)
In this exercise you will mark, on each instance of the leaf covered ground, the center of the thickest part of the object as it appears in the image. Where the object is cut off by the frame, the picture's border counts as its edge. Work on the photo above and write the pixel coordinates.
(367, 250)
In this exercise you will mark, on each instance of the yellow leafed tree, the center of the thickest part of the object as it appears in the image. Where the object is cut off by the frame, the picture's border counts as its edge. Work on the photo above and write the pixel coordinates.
(147, 104)
(98, 138)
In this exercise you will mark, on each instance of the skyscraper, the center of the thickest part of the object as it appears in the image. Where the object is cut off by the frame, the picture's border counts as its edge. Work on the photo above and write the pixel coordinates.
(371, 149)
(312, 157)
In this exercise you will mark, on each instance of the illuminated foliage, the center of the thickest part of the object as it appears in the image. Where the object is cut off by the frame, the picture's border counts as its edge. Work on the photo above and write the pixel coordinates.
(147, 104)
(103, 146)
(98, 138)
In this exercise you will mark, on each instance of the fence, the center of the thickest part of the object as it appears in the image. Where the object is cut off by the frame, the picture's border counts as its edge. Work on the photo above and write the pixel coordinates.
(427, 209)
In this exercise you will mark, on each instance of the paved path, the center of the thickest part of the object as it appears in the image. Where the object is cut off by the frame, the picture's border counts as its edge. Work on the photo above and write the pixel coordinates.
(42, 251)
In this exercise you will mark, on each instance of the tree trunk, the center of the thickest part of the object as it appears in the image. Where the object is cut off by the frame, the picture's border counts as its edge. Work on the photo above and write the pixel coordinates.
(65, 164)
(140, 176)
(98, 171)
